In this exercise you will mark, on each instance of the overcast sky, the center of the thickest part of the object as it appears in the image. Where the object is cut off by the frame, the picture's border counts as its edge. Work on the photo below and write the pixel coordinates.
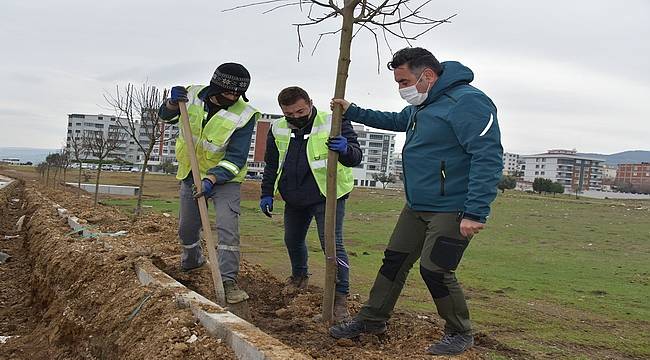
(563, 74)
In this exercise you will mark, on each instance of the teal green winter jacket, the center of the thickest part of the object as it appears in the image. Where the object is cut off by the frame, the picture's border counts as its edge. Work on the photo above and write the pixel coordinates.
(452, 157)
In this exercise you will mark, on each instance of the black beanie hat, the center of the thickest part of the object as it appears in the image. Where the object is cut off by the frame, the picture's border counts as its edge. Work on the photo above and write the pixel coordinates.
(230, 77)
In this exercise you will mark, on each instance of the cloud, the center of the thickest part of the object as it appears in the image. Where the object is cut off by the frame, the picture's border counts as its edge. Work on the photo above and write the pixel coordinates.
(575, 72)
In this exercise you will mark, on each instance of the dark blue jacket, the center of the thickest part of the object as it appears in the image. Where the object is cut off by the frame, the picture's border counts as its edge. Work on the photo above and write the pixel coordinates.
(452, 156)
(297, 184)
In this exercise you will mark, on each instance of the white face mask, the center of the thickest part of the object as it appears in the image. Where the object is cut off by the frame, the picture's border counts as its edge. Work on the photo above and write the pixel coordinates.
(411, 94)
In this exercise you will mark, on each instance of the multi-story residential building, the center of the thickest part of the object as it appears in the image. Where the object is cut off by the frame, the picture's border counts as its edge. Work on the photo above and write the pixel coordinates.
(575, 172)
(258, 144)
(377, 149)
(510, 163)
(637, 175)
(85, 125)
(396, 166)
(609, 171)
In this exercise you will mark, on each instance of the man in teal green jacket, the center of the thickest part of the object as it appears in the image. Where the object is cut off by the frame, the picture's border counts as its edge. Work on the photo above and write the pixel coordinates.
(452, 162)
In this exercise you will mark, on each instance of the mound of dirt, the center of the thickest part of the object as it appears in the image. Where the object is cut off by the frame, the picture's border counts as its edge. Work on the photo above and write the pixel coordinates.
(77, 298)
(290, 317)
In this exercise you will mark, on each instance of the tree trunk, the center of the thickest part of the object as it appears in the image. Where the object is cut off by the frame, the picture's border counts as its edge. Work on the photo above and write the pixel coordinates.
(56, 174)
(99, 171)
(138, 206)
(47, 180)
(79, 178)
(332, 162)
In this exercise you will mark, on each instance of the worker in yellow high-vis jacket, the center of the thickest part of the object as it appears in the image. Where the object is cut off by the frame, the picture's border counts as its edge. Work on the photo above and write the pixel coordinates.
(222, 124)
(296, 167)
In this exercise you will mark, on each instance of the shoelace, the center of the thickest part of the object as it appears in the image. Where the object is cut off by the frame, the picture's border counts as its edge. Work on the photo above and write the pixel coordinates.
(446, 339)
(352, 323)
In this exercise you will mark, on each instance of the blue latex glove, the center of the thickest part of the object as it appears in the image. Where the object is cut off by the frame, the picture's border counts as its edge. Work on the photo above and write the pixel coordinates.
(177, 94)
(266, 205)
(206, 185)
(338, 144)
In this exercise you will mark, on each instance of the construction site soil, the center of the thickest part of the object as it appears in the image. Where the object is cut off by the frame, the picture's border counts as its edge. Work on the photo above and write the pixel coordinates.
(65, 296)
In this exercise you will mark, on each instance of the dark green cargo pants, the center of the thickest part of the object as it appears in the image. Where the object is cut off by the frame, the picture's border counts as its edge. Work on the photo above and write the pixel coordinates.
(435, 239)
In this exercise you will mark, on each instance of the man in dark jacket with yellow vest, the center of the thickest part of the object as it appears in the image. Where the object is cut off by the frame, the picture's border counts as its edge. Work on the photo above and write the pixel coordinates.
(296, 167)
(222, 124)
(452, 162)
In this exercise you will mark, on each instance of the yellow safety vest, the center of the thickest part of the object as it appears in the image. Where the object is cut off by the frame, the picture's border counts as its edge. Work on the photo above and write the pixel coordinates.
(316, 153)
(212, 140)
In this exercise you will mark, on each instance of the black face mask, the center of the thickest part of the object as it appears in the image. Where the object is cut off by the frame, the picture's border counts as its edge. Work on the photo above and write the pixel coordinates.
(224, 101)
(300, 122)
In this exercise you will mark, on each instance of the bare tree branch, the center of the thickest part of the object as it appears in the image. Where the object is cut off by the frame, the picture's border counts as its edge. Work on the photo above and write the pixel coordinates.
(282, 6)
(364, 26)
(320, 36)
(254, 4)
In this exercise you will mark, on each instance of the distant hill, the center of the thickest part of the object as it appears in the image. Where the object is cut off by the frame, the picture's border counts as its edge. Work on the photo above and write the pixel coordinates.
(25, 154)
(625, 157)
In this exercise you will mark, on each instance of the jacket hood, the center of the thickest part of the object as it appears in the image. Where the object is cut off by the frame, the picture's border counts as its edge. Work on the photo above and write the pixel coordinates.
(453, 74)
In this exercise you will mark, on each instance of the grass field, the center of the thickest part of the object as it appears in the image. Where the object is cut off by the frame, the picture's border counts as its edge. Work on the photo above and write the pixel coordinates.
(557, 277)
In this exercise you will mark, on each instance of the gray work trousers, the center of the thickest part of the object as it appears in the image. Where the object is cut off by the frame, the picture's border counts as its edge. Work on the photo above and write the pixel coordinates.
(225, 199)
(435, 239)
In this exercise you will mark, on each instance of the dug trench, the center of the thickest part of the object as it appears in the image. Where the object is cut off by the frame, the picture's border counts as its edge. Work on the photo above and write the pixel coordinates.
(76, 297)
(66, 297)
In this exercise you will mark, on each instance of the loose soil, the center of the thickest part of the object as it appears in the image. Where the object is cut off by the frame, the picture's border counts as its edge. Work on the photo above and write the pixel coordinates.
(67, 297)
(70, 297)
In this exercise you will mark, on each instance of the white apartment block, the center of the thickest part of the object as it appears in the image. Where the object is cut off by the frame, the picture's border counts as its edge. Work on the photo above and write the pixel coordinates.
(85, 125)
(396, 166)
(510, 163)
(80, 125)
(377, 149)
(575, 172)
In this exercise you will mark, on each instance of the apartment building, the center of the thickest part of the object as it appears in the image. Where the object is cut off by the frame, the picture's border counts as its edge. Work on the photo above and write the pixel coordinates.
(638, 175)
(258, 144)
(575, 172)
(377, 149)
(88, 126)
(511, 164)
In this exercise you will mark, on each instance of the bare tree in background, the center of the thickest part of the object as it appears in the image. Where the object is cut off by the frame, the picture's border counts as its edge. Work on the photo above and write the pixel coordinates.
(65, 161)
(78, 149)
(137, 114)
(53, 160)
(390, 17)
(102, 145)
(42, 168)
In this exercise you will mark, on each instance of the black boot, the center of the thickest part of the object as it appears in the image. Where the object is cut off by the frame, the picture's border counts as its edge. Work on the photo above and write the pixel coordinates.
(451, 344)
(355, 327)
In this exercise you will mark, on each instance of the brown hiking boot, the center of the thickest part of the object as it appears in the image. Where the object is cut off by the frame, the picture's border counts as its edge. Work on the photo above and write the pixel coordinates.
(234, 294)
(341, 307)
(297, 282)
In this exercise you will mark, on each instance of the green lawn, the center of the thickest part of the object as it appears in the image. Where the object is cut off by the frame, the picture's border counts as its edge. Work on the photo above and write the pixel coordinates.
(550, 275)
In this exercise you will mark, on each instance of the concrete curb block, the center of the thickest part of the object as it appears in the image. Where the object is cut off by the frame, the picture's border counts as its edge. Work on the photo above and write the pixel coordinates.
(62, 212)
(246, 340)
(74, 224)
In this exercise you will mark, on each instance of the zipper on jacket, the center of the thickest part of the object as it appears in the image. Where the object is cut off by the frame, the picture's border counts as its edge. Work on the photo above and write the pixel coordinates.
(443, 176)
(408, 138)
